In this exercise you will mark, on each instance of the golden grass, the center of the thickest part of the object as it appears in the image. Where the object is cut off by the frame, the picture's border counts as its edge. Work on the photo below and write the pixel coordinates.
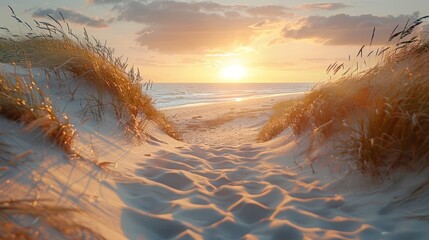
(327, 102)
(382, 113)
(277, 121)
(88, 61)
(395, 130)
(30, 219)
(24, 101)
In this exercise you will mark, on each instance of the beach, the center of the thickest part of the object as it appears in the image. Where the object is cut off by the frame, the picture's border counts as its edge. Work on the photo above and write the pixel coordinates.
(90, 148)
(216, 184)
(230, 122)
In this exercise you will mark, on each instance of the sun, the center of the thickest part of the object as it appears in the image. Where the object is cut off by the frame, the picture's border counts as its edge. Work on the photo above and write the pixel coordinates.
(234, 72)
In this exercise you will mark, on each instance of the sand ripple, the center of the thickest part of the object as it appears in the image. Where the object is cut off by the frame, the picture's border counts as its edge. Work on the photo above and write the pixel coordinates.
(228, 193)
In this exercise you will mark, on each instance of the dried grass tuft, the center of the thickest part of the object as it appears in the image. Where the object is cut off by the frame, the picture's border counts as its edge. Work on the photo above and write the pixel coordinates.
(30, 219)
(24, 101)
(382, 113)
(57, 47)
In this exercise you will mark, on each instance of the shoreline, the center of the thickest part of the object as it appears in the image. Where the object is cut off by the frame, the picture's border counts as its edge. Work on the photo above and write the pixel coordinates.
(238, 99)
(229, 122)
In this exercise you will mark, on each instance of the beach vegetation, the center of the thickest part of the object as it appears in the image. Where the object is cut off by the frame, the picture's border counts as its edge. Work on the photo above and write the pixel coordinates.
(22, 100)
(276, 124)
(30, 219)
(381, 114)
(54, 46)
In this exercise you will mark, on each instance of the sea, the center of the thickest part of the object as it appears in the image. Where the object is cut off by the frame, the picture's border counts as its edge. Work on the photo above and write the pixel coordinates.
(173, 95)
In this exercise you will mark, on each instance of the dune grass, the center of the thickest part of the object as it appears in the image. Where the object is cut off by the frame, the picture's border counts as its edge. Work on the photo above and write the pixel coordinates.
(381, 114)
(395, 131)
(91, 61)
(277, 121)
(327, 102)
(24, 101)
(22, 219)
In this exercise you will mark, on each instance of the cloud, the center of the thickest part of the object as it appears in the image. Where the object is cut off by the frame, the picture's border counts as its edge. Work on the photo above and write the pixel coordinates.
(72, 16)
(103, 1)
(323, 6)
(270, 11)
(183, 27)
(343, 29)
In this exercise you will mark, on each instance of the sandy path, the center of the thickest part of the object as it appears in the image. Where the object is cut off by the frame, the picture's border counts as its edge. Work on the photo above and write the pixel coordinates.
(205, 192)
(226, 123)
(259, 191)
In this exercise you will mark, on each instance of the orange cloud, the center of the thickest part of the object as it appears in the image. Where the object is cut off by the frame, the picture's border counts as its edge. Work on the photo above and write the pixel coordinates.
(323, 6)
(343, 29)
(184, 27)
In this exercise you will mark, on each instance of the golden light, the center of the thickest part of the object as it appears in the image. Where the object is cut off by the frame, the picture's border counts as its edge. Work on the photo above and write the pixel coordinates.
(233, 72)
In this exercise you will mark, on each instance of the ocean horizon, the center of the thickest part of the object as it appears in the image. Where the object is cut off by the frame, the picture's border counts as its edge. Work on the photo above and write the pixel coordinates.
(171, 95)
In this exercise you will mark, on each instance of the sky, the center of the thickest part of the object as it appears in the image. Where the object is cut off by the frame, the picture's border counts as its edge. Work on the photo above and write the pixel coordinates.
(228, 41)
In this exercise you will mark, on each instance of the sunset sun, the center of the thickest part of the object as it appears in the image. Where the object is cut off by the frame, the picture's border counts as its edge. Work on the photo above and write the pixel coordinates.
(234, 72)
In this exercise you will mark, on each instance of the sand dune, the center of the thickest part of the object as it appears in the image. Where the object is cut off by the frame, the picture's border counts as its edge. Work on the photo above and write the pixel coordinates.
(202, 189)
